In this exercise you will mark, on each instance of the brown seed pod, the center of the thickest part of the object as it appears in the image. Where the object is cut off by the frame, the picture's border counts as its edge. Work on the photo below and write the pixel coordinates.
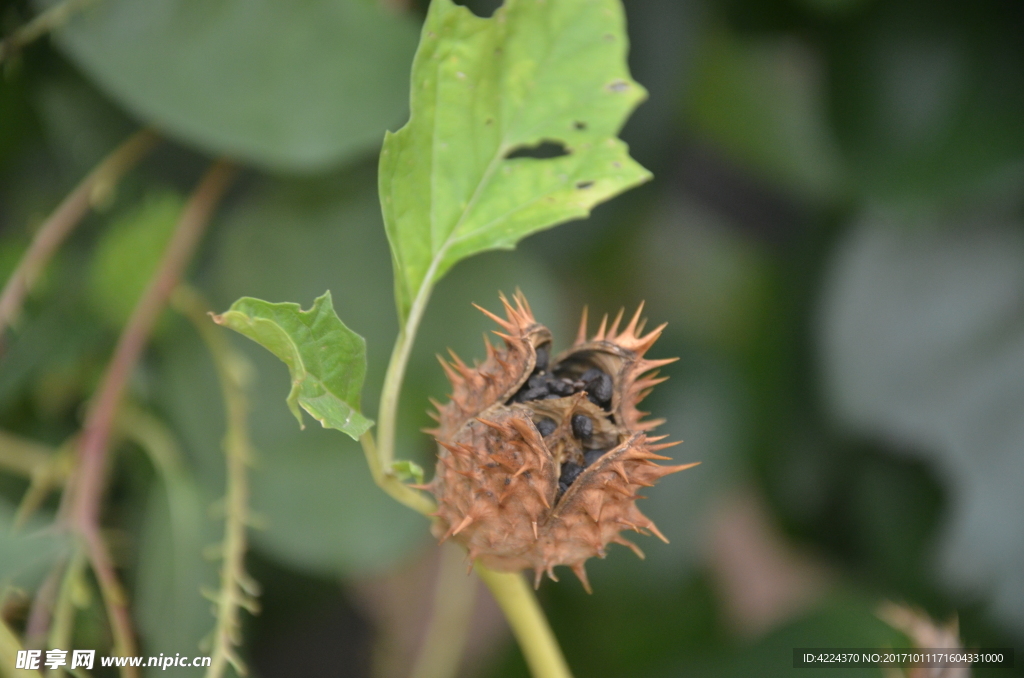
(540, 459)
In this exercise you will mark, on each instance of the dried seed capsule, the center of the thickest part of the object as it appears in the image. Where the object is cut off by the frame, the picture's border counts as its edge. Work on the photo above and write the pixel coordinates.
(508, 482)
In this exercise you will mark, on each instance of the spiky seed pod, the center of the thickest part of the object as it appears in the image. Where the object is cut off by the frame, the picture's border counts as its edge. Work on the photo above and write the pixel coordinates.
(540, 460)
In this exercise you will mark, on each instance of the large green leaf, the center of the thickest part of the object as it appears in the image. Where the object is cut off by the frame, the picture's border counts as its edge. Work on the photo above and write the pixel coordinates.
(483, 89)
(326, 359)
(289, 85)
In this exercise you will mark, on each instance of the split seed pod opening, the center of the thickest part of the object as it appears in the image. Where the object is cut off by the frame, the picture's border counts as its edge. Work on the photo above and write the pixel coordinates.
(540, 457)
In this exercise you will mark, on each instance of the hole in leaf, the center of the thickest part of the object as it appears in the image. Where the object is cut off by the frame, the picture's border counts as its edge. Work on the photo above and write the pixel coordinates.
(542, 151)
(618, 86)
(583, 185)
(580, 125)
(481, 8)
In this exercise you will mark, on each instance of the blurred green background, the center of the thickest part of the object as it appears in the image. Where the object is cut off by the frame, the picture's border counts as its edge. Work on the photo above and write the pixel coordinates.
(835, 234)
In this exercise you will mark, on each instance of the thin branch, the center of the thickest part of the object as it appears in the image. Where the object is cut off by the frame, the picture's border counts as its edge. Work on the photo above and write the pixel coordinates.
(88, 480)
(63, 220)
(454, 595)
(115, 601)
(53, 18)
(86, 488)
(529, 625)
(63, 628)
(237, 588)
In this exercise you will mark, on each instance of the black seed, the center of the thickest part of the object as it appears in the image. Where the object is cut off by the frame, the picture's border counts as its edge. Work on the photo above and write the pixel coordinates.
(537, 381)
(590, 456)
(582, 426)
(562, 487)
(508, 481)
(570, 471)
(532, 394)
(560, 386)
(542, 358)
(598, 385)
(545, 426)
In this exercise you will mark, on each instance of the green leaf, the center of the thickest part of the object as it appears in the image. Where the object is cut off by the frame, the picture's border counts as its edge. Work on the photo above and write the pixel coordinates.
(408, 470)
(127, 255)
(29, 553)
(287, 85)
(483, 89)
(326, 359)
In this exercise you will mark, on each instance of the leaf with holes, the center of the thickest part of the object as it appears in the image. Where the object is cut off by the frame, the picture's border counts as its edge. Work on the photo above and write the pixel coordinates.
(326, 359)
(490, 99)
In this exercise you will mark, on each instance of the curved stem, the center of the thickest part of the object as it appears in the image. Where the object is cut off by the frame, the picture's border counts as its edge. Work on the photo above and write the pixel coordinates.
(387, 413)
(63, 220)
(529, 625)
(398, 490)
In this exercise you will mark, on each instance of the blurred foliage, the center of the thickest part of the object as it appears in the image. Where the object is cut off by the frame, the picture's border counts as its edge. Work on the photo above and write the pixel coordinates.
(833, 232)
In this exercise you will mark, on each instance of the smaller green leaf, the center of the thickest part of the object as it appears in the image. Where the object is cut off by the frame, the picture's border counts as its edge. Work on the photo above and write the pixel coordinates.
(408, 470)
(326, 359)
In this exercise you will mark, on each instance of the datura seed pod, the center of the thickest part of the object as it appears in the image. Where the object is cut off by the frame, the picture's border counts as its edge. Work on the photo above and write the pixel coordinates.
(540, 458)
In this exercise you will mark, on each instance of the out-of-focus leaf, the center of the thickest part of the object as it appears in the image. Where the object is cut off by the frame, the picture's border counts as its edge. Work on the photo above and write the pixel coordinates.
(535, 73)
(922, 336)
(128, 253)
(28, 553)
(326, 359)
(288, 85)
(763, 104)
(927, 103)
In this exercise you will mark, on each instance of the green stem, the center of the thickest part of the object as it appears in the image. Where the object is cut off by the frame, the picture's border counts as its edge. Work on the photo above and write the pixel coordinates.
(237, 589)
(63, 628)
(388, 482)
(529, 625)
(454, 596)
(55, 17)
(99, 183)
(387, 413)
(517, 601)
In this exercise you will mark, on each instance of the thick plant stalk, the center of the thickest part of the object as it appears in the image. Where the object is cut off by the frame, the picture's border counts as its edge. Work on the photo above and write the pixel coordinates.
(454, 596)
(63, 220)
(88, 482)
(237, 588)
(529, 625)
